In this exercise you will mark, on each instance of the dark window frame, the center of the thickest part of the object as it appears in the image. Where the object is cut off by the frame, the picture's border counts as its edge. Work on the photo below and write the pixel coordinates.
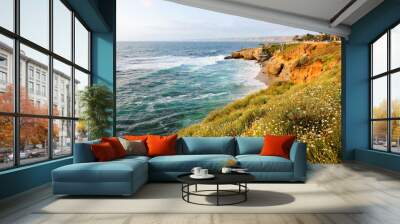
(388, 74)
(16, 114)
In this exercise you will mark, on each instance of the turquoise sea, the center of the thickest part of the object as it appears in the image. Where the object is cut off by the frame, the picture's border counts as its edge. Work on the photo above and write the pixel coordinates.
(164, 86)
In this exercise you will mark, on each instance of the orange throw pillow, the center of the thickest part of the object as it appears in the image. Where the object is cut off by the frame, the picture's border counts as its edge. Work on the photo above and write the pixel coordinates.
(103, 152)
(136, 137)
(277, 145)
(116, 145)
(161, 145)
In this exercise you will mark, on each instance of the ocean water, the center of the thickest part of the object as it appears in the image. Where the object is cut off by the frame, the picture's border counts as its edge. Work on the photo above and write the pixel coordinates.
(165, 86)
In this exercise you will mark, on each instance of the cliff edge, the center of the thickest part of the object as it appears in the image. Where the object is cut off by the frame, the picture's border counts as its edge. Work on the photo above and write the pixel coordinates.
(298, 62)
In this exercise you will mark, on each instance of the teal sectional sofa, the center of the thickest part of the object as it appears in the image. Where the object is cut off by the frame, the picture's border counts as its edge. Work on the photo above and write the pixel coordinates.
(125, 176)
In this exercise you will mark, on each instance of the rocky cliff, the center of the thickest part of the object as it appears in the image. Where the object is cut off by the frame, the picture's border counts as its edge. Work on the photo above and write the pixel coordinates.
(295, 62)
(247, 54)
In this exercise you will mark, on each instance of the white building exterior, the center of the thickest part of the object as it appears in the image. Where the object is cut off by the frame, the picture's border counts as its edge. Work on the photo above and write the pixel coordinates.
(34, 79)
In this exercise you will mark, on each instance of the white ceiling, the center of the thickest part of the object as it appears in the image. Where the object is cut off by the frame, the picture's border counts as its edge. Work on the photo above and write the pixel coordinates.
(313, 15)
(322, 9)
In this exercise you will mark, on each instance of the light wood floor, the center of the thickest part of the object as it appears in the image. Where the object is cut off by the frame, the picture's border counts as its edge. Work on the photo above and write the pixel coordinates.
(379, 189)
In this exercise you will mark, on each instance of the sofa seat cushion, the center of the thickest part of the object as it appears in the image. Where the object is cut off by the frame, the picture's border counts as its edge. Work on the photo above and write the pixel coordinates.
(133, 157)
(112, 171)
(257, 163)
(185, 163)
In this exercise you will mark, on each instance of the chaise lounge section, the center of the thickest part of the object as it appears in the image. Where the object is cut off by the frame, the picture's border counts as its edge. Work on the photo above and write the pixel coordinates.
(125, 176)
(88, 177)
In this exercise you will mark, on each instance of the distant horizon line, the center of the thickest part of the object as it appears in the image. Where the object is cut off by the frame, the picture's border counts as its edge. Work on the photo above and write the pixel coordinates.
(223, 39)
(188, 40)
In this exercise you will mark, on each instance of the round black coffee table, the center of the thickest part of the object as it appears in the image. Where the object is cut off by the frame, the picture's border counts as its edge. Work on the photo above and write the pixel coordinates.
(238, 179)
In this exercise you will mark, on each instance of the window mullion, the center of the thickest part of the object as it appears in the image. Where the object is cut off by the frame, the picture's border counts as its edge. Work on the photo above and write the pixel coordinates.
(89, 54)
(16, 70)
(389, 104)
(371, 141)
(73, 81)
(50, 81)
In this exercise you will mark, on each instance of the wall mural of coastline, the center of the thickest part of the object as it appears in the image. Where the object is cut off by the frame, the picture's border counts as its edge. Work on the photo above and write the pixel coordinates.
(234, 89)
(166, 86)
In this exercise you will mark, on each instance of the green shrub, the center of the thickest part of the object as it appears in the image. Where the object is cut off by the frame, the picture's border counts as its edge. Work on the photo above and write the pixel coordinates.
(302, 61)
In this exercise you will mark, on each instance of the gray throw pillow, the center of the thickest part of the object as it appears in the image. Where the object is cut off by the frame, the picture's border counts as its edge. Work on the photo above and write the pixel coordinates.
(137, 148)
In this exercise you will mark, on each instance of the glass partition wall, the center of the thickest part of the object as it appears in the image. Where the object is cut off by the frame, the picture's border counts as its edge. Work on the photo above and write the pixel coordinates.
(44, 64)
(385, 91)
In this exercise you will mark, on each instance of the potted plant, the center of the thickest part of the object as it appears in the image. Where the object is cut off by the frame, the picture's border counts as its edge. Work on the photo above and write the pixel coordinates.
(96, 103)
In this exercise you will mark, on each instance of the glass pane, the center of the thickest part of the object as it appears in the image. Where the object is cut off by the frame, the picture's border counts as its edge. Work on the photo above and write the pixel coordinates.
(81, 45)
(62, 89)
(7, 14)
(379, 97)
(81, 131)
(395, 136)
(33, 139)
(379, 55)
(6, 75)
(62, 138)
(62, 29)
(35, 21)
(395, 47)
(34, 97)
(6, 142)
(81, 81)
(379, 135)
(395, 94)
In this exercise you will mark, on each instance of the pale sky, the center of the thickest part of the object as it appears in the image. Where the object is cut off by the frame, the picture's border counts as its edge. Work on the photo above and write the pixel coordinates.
(159, 20)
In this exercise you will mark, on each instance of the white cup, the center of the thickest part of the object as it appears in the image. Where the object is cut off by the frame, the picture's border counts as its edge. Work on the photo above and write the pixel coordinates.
(196, 171)
(226, 170)
(203, 172)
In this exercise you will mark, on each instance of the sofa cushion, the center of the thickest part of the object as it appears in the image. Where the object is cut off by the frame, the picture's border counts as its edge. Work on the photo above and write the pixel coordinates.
(112, 171)
(103, 152)
(133, 158)
(257, 163)
(161, 145)
(134, 147)
(249, 145)
(185, 163)
(116, 145)
(277, 145)
(207, 145)
(136, 137)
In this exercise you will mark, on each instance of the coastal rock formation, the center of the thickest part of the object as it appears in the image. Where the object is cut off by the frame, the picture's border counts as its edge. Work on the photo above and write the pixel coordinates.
(246, 54)
(304, 74)
(273, 68)
(296, 62)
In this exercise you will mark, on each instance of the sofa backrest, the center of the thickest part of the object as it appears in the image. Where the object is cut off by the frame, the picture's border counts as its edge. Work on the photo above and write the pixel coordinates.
(249, 145)
(191, 146)
(83, 152)
(206, 145)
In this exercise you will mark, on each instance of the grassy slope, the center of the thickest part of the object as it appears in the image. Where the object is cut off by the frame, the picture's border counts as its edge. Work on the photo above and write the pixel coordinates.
(311, 111)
